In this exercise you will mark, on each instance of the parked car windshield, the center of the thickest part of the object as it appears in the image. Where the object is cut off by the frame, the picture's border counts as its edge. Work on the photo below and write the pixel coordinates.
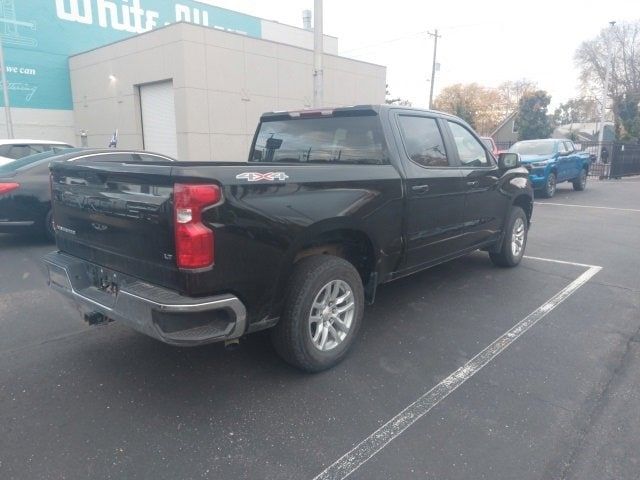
(32, 159)
(534, 147)
(321, 140)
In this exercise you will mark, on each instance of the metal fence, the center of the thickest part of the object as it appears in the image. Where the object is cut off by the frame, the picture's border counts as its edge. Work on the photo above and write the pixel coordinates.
(626, 160)
(616, 159)
(599, 167)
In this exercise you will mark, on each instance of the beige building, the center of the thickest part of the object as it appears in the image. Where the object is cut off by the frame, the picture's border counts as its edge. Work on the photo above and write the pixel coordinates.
(197, 93)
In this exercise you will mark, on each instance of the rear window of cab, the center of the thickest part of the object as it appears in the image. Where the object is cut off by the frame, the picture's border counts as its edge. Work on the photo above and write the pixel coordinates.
(345, 140)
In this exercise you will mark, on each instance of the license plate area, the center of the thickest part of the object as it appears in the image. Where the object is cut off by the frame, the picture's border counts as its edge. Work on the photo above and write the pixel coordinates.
(103, 280)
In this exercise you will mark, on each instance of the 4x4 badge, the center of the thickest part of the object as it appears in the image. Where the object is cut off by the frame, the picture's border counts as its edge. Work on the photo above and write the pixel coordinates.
(257, 176)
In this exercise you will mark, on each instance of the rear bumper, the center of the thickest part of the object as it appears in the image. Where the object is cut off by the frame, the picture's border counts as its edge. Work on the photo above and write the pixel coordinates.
(155, 311)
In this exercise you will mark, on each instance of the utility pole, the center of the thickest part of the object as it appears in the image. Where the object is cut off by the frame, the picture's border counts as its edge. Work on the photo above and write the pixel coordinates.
(605, 91)
(433, 65)
(318, 50)
(5, 90)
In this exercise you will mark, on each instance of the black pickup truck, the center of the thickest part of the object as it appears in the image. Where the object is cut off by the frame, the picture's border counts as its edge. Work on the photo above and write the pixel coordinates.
(331, 204)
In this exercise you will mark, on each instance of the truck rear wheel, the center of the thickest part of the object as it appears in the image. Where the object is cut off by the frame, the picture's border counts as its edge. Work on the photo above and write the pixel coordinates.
(514, 241)
(580, 183)
(322, 313)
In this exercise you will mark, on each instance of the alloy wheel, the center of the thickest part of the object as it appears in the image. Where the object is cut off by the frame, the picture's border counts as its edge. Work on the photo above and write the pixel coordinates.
(551, 185)
(331, 315)
(517, 237)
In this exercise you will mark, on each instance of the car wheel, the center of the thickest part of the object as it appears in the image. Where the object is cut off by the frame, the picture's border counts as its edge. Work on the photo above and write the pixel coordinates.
(549, 189)
(48, 226)
(514, 241)
(580, 183)
(322, 313)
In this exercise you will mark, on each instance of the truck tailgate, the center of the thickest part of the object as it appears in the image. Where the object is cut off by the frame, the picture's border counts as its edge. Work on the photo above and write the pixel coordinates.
(117, 215)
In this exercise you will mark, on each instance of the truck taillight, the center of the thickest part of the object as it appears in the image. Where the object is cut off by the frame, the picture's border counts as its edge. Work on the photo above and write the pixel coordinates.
(194, 241)
(8, 187)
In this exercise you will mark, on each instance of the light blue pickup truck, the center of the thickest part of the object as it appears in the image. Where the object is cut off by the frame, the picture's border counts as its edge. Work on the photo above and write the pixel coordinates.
(551, 161)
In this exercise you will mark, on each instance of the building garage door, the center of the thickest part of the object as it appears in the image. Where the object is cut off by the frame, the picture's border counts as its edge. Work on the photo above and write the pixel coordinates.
(159, 118)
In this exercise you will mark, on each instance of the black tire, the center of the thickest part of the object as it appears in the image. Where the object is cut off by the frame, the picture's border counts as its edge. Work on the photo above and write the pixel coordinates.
(549, 189)
(48, 227)
(292, 336)
(580, 183)
(505, 257)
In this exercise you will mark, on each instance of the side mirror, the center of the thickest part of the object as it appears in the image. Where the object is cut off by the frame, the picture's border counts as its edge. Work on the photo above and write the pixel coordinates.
(507, 160)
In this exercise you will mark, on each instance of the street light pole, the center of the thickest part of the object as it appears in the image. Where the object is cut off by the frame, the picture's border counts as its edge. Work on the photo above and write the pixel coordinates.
(318, 48)
(5, 91)
(433, 65)
(605, 91)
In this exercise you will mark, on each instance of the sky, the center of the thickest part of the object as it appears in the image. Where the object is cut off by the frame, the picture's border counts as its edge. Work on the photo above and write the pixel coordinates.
(487, 42)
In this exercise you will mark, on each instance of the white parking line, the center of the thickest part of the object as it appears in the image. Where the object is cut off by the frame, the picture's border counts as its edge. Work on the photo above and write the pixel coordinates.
(563, 262)
(367, 448)
(588, 206)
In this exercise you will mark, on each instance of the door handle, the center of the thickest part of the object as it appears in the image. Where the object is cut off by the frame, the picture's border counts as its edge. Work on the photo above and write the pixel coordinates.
(475, 183)
(420, 188)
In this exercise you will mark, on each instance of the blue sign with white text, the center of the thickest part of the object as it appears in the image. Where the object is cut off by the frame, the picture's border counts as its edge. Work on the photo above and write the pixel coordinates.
(39, 36)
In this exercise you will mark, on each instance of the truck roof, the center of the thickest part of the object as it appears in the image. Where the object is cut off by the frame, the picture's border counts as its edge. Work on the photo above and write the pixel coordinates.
(369, 109)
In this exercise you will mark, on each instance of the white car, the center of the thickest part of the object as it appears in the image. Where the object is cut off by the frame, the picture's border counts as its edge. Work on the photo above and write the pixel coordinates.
(12, 149)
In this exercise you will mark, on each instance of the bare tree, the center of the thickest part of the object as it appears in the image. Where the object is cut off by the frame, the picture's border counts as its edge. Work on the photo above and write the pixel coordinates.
(512, 91)
(625, 73)
(576, 110)
(389, 100)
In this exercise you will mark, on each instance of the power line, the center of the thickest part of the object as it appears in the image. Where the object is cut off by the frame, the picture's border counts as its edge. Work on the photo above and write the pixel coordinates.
(385, 42)
(416, 34)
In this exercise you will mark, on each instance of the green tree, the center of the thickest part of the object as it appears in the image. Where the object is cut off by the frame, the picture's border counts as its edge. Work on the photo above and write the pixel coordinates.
(533, 120)
(627, 116)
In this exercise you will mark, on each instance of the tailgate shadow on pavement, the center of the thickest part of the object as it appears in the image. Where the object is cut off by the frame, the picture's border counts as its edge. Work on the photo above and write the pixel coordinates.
(128, 388)
(406, 311)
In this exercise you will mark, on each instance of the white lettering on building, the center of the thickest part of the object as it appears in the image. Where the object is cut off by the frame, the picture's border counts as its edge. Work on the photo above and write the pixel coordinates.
(21, 70)
(126, 16)
(72, 14)
(186, 14)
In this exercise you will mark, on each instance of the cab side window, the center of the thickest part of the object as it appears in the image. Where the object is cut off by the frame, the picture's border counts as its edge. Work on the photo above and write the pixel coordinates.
(570, 146)
(423, 141)
(562, 148)
(19, 151)
(471, 152)
(142, 157)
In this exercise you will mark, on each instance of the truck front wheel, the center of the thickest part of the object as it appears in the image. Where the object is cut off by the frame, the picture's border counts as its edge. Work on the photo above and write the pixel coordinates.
(322, 313)
(580, 183)
(549, 189)
(514, 240)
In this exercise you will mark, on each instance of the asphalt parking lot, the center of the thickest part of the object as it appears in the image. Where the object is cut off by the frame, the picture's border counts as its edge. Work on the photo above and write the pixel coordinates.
(557, 400)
